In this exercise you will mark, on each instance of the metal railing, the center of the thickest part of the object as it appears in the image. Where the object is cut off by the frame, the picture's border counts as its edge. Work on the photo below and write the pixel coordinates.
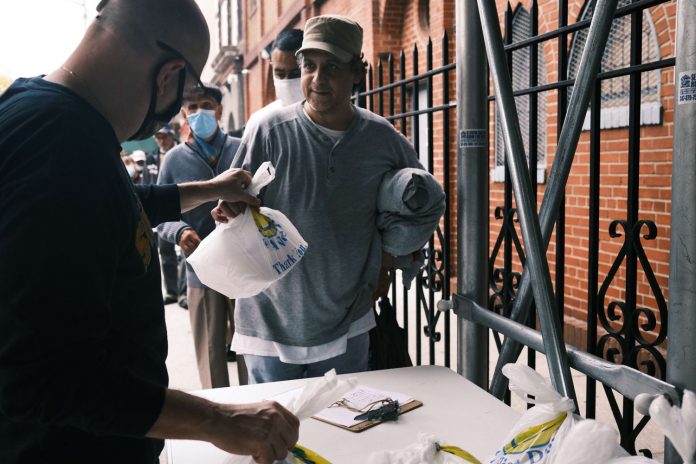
(614, 357)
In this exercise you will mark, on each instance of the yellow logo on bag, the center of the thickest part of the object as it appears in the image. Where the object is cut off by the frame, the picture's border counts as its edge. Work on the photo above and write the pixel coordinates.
(534, 437)
(274, 236)
(266, 226)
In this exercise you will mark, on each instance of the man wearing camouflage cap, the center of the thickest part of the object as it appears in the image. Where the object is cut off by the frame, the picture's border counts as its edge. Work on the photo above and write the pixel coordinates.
(330, 157)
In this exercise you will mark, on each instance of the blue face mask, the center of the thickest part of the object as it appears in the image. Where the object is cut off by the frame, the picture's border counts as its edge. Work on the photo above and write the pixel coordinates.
(203, 123)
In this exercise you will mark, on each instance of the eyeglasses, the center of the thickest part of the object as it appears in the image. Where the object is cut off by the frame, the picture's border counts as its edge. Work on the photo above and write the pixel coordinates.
(382, 410)
(198, 84)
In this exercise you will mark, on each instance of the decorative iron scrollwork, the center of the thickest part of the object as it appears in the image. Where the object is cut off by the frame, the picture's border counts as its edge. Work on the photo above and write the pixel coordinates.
(432, 279)
(627, 327)
(628, 324)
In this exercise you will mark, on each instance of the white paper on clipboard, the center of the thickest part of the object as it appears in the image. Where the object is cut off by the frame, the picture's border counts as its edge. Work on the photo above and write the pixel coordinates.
(359, 398)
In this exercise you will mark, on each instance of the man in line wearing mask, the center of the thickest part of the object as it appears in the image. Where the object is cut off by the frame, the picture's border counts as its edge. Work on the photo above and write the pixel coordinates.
(83, 340)
(286, 75)
(208, 153)
(173, 266)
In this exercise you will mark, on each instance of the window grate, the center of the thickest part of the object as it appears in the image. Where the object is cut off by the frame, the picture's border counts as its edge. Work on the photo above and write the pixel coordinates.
(617, 55)
(522, 29)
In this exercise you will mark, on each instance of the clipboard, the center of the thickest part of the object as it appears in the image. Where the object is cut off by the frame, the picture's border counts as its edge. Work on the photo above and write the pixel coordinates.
(364, 425)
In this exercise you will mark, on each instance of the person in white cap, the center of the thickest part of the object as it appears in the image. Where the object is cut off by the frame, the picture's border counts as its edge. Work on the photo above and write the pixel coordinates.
(138, 157)
(330, 157)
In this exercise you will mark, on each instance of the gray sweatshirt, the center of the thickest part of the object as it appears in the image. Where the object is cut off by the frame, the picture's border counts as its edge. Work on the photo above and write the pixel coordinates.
(329, 192)
(185, 164)
(409, 206)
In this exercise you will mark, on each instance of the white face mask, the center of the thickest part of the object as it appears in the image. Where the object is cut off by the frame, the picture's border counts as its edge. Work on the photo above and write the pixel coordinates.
(288, 91)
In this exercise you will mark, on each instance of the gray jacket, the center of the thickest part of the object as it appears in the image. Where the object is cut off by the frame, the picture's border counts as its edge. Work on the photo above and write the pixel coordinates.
(184, 163)
(410, 204)
(329, 192)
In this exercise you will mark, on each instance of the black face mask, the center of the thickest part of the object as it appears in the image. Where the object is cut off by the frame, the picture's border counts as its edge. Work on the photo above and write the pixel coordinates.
(155, 121)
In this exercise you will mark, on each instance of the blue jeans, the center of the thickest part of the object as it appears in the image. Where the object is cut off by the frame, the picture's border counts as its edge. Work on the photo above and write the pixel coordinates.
(264, 369)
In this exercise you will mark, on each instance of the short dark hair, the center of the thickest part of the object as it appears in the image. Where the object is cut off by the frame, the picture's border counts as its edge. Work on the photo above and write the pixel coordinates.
(290, 40)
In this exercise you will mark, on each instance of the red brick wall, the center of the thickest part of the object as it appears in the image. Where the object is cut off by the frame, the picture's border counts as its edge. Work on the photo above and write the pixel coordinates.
(655, 182)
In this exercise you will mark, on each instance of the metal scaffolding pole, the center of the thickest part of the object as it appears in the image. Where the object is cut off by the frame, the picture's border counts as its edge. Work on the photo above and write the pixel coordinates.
(563, 160)
(537, 264)
(472, 189)
(681, 368)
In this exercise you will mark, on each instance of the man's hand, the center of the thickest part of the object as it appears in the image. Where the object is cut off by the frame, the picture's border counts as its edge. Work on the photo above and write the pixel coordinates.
(226, 210)
(384, 281)
(229, 186)
(189, 241)
(265, 430)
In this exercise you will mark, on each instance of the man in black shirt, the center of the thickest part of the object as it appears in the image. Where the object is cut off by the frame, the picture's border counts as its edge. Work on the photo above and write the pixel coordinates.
(82, 334)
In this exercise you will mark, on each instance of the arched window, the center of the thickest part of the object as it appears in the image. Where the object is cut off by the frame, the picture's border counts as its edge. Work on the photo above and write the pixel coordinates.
(522, 29)
(617, 55)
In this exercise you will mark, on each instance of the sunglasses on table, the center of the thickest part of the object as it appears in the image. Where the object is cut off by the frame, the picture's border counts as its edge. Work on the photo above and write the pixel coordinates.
(381, 410)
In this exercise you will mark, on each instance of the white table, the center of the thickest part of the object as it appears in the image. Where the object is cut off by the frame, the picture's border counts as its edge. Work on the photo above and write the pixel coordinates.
(454, 410)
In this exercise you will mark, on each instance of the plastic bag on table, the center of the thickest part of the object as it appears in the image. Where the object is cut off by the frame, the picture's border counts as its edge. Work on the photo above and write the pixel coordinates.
(534, 437)
(242, 258)
(425, 449)
(316, 395)
(601, 439)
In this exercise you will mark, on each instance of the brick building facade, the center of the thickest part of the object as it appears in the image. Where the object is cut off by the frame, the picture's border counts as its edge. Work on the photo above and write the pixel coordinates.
(394, 25)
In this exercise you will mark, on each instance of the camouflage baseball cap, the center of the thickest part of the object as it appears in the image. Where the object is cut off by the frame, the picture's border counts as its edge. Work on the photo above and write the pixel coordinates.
(338, 35)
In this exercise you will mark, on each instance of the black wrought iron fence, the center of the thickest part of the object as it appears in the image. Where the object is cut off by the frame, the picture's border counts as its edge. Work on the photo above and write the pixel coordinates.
(406, 102)
(618, 328)
(631, 334)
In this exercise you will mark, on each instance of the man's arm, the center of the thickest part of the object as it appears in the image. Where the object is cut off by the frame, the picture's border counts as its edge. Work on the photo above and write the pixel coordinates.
(384, 279)
(229, 186)
(264, 430)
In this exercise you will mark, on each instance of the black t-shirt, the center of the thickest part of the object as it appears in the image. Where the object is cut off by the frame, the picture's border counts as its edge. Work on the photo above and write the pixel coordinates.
(82, 332)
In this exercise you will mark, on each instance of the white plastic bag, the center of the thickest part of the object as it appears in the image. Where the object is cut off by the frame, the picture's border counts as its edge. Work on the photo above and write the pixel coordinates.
(535, 436)
(550, 433)
(242, 258)
(425, 450)
(601, 439)
(678, 424)
(316, 395)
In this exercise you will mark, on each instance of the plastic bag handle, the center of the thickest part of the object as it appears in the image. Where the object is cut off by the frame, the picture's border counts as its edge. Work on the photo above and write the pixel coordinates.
(263, 176)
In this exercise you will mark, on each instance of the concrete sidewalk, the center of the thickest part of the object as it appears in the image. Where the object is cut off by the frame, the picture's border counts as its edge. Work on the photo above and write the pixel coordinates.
(183, 375)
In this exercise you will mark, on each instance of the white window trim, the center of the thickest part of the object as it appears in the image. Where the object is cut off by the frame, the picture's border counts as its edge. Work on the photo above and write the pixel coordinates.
(498, 174)
(650, 112)
(612, 118)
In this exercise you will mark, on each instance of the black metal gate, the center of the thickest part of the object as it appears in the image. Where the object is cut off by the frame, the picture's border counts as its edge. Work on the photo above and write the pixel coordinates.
(401, 102)
(619, 329)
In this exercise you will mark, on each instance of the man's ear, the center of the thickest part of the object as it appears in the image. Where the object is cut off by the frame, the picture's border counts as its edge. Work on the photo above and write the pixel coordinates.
(183, 114)
(168, 75)
(218, 112)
